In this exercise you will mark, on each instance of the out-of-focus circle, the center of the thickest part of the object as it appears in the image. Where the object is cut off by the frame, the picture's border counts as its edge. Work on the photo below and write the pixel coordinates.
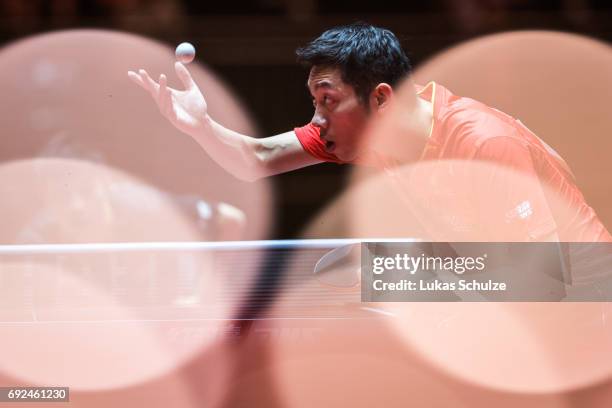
(106, 318)
(68, 95)
(555, 83)
(558, 84)
(527, 348)
(336, 348)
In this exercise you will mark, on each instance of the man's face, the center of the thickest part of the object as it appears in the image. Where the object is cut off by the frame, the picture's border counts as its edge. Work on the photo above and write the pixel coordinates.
(339, 113)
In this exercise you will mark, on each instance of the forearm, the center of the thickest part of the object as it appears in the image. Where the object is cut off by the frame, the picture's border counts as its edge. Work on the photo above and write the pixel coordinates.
(233, 151)
(249, 158)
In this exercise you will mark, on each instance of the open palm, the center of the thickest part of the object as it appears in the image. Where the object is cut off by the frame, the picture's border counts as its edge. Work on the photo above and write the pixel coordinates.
(185, 109)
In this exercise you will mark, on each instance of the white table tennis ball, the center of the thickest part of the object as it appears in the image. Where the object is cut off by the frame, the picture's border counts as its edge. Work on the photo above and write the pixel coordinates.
(185, 52)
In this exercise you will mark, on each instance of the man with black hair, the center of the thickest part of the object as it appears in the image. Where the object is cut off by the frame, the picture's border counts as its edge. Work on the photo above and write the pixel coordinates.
(355, 74)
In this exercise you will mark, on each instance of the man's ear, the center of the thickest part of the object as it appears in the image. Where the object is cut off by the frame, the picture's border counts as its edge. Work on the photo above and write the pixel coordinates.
(380, 97)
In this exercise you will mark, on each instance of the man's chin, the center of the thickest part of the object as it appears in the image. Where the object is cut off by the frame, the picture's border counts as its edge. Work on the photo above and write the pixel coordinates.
(346, 156)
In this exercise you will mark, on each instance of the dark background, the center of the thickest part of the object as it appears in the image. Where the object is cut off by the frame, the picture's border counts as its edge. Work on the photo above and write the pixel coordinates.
(250, 44)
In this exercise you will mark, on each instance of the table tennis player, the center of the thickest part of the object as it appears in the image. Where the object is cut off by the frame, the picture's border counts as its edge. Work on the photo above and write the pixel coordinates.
(354, 78)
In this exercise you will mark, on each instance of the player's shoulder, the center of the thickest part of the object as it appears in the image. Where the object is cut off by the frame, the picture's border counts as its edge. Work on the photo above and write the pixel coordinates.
(467, 120)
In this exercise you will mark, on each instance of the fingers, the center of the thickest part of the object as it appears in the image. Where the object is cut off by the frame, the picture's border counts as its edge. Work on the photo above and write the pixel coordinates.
(164, 97)
(152, 86)
(184, 75)
(158, 90)
(142, 79)
(137, 79)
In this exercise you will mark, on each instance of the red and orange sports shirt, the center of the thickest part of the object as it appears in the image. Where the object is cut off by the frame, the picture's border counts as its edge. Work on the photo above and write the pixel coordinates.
(467, 130)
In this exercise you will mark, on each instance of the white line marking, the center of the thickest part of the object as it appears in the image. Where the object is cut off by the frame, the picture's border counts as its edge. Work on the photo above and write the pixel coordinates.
(375, 310)
(182, 246)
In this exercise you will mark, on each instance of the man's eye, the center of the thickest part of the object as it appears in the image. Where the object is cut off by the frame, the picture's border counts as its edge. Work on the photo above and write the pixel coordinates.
(325, 101)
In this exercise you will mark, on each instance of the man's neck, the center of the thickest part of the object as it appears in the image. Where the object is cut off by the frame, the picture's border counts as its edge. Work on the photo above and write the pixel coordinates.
(423, 119)
(416, 127)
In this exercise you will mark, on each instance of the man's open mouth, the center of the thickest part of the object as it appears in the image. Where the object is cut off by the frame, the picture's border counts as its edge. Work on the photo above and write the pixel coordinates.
(330, 146)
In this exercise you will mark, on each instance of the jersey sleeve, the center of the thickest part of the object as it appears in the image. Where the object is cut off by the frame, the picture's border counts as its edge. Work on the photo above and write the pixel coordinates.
(311, 142)
(519, 202)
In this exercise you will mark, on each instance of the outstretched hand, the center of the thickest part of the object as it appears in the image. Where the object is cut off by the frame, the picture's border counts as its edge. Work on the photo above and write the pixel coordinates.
(185, 109)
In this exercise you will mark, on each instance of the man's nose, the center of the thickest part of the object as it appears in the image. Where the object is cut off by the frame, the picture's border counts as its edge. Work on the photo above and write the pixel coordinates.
(319, 121)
